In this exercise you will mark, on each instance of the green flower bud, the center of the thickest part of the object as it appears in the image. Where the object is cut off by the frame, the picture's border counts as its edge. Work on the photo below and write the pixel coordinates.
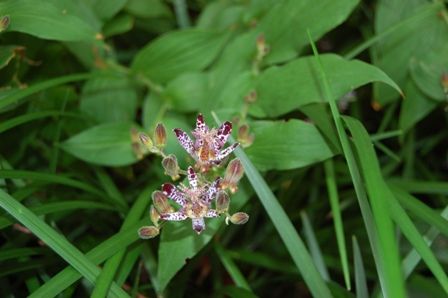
(160, 135)
(148, 232)
(244, 136)
(171, 166)
(4, 23)
(234, 172)
(161, 203)
(222, 202)
(154, 215)
(239, 218)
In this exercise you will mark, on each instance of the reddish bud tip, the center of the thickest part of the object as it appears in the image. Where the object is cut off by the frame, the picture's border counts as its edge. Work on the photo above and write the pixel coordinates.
(239, 218)
(171, 166)
(160, 135)
(4, 23)
(161, 203)
(222, 202)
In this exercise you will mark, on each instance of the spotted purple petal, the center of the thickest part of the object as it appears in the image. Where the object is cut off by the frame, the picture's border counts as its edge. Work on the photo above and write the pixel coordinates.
(211, 191)
(173, 193)
(212, 213)
(200, 124)
(184, 140)
(175, 216)
(222, 135)
(192, 178)
(224, 153)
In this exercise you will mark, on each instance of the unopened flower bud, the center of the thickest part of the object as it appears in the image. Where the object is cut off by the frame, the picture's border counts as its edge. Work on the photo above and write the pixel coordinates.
(148, 232)
(171, 166)
(244, 136)
(4, 23)
(154, 215)
(222, 202)
(160, 201)
(251, 97)
(160, 135)
(136, 146)
(146, 140)
(234, 172)
(239, 218)
(262, 48)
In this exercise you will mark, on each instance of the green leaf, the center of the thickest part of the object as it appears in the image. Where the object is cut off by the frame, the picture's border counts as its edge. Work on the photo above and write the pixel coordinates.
(119, 25)
(44, 20)
(285, 145)
(178, 52)
(360, 274)
(109, 99)
(297, 83)
(422, 31)
(231, 268)
(286, 22)
(179, 242)
(148, 8)
(106, 144)
(291, 239)
(106, 9)
(54, 240)
(187, 92)
(414, 107)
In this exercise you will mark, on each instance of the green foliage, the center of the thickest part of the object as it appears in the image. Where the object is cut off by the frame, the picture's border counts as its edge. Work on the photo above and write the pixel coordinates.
(80, 80)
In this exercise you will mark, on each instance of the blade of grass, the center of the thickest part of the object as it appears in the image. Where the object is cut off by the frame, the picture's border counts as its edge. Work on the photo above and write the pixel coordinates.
(110, 188)
(412, 259)
(22, 93)
(55, 207)
(418, 186)
(421, 210)
(54, 240)
(337, 218)
(111, 266)
(231, 268)
(388, 272)
(387, 203)
(360, 273)
(97, 255)
(52, 178)
(14, 253)
(313, 246)
(294, 244)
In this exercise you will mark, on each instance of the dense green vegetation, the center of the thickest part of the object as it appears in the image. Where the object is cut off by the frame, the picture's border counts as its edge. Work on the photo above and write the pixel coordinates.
(340, 109)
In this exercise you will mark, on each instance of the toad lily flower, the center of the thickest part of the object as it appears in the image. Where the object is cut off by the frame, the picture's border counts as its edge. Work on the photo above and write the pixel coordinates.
(207, 148)
(194, 200)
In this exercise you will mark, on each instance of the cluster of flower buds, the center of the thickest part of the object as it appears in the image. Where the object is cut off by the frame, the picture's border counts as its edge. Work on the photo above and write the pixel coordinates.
(195, 201)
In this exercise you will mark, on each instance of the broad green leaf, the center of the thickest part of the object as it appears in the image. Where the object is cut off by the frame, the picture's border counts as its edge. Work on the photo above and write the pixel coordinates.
(286, 145)
(106, 9)
(179, 242)
(106, 144)
(415, 106)
(148, 8)
(427, 71)
(187, 92)
(154, 107)
(119, 25)
(109, 99)
(220, 15)
(44, 20)
(54, 240)
(422, 31)
(178, 52)
(283, 89)
(286, 23)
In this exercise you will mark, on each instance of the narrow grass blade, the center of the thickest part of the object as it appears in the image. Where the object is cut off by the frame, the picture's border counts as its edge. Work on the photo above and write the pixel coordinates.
(294, 244)
(384, 201)
(14, 253)
(421, 210)
(54, 240)
(313, 246)
(31, 117)
(111, 266)
(412, 259)
(59, 207)
(231, 268)
(110, 188)
(22, 93)
(51, 178)
(337, 218)
(418, 186)
(360, 273)
(97, 255)
(388, 275)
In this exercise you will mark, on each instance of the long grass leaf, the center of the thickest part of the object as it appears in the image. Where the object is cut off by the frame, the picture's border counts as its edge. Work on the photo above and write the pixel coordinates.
(54, 240)
(384, 201)
(387, 273)
(360, 273)
(337, 218)
(294, 244)
(231, 268)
